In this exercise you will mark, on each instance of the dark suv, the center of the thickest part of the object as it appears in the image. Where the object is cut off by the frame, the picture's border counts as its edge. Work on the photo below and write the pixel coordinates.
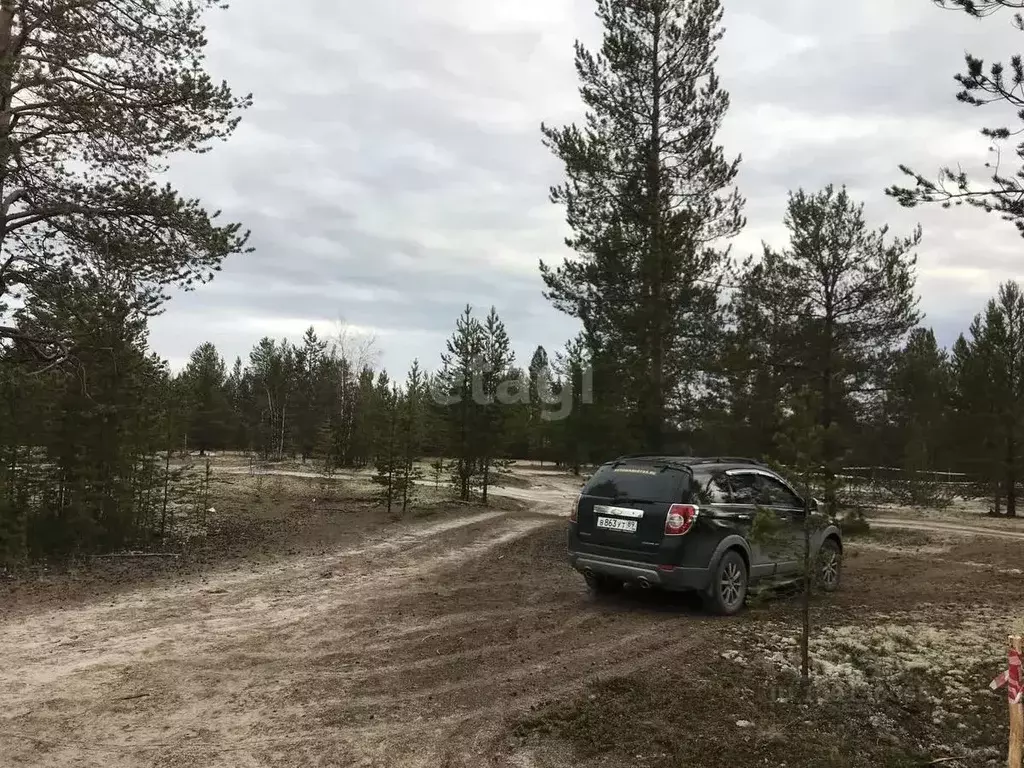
(684, 524)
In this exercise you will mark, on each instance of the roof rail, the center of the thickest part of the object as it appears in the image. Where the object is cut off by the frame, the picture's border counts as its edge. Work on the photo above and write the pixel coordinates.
(730, 460)
(695, 459)
(662, 456)
(687, 460)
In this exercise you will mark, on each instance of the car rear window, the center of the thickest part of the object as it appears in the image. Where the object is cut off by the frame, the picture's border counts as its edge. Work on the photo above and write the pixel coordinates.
(644, 482)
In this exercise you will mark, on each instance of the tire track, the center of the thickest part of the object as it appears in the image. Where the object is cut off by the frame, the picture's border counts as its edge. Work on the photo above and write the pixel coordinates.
(371, 655)
(941, 527)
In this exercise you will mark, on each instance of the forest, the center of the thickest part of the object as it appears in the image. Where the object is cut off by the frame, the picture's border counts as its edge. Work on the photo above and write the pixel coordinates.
(682, 348)
(86, 454)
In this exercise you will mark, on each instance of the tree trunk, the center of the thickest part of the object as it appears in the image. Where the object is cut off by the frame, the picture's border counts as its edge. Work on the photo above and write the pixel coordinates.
(829, 449)
(7, 67)
(280, 450)
(406, 481)
(656, 404)
(391, 460)
(267, 438)
(167, 483)
(464, 464)
(391, 485)
(805, 608)
(1011, 474)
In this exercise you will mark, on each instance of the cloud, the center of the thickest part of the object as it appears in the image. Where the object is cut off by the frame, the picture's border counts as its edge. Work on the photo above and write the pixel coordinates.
(391, 169)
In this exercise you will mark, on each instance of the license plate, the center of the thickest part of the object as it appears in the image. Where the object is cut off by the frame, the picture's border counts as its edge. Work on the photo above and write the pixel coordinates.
(615, 524)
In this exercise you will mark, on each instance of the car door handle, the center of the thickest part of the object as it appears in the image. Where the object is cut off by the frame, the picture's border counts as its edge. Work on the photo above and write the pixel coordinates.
(744, 516)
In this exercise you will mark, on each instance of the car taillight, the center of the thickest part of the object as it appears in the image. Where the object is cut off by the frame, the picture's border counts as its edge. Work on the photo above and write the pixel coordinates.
(680, 519)
(575, 510)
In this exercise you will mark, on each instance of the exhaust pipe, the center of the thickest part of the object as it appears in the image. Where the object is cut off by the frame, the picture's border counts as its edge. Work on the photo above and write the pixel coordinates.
(644, 583)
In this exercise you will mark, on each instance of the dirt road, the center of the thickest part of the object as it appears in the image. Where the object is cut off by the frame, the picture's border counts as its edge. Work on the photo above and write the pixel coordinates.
(402, 651)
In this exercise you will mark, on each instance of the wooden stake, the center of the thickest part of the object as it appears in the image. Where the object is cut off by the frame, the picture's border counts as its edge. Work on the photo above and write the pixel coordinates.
(1016, 719)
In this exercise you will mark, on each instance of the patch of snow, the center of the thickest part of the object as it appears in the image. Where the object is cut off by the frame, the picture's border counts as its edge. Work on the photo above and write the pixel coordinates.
(908, 650)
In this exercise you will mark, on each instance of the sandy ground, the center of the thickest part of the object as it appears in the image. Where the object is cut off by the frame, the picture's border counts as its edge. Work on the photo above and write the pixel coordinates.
(232, 660)
(388, 653)
(413, 647)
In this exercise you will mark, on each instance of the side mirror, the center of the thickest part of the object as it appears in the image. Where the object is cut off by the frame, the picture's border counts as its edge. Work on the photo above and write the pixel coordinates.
(814, 505)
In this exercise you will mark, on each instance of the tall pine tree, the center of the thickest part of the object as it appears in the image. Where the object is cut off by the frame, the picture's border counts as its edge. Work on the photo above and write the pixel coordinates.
(916, 430)
(491, 430)
(204, 383)
(412, 425)
(849, 294)
(454, 393)
(989, 393)
(540, 379)
(573, 427)
(94, 97)
(649, 196)
(311, 395)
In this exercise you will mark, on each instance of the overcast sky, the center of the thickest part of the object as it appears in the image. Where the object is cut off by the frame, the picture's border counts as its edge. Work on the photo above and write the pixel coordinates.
(391, 169)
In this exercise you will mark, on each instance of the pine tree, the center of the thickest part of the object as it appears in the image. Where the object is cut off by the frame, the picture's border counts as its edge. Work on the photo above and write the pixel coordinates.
(989, 391)
(94, 97)
(343, 398)
(437, 468)
(388, 461)
(490, 432)
(98, 434)
(849, 295)
(411, 427)
(974, 418)
(21, 399)
(648, 195)
(236, 392)
(574, 429)
(804, 447)
(753, 380)
(916, 407)
(383, 409)
(311, 394)
(204, 383)
(1004, 192)
(274, 384)
(367, 419)
(514, 395)
(454, 392)
(540, 376)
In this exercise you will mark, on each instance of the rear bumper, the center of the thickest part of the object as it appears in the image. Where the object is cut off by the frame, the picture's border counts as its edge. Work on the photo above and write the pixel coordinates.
(668, 577)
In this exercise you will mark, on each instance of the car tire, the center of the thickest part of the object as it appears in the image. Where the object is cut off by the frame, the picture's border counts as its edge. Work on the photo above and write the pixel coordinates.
(828, 566)
(600, 584)
(728, 589)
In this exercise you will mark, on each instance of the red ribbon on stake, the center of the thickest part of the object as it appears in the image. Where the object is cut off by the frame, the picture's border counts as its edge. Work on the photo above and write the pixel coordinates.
(1010, 677)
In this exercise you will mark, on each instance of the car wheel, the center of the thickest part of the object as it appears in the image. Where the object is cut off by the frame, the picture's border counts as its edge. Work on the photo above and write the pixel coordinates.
(728, 587)
(830, 561)
(602, 585)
